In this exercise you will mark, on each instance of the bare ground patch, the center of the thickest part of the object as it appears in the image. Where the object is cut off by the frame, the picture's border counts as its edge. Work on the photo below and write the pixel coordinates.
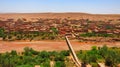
(6, 46)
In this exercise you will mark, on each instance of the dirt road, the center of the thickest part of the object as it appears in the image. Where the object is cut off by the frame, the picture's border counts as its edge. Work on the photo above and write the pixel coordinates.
(6, 46)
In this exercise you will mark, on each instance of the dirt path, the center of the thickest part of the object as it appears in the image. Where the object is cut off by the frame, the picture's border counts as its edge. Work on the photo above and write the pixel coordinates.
(6, 46)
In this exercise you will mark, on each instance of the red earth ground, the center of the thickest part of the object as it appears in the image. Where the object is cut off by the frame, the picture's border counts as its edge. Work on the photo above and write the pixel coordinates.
(7, 46)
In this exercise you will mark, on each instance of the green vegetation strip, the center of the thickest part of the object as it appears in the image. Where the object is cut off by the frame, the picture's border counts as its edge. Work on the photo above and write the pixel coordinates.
(98, 35)
(30, 57)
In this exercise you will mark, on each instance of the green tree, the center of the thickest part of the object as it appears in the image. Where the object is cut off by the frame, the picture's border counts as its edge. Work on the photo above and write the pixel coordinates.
(55, 30)
(59, 64)
(27, 51)
(103, 51)
(26, 65)
(2, 32)
(65, 53)
(13, 52)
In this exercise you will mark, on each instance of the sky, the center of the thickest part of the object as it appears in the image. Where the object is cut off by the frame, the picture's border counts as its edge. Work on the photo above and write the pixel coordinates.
(42, 6)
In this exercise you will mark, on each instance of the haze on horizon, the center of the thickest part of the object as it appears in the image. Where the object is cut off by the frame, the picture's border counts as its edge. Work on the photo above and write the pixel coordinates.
(42, 6)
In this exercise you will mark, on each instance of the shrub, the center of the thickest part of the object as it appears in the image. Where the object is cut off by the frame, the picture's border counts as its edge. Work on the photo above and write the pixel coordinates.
(59, 64)
(27, 65)
(95, 65)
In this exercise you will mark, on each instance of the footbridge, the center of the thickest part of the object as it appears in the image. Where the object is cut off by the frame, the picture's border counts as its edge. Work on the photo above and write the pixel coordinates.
(78, 64)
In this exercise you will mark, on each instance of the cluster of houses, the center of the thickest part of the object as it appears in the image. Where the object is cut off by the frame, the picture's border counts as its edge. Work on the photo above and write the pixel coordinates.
(64, 26)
